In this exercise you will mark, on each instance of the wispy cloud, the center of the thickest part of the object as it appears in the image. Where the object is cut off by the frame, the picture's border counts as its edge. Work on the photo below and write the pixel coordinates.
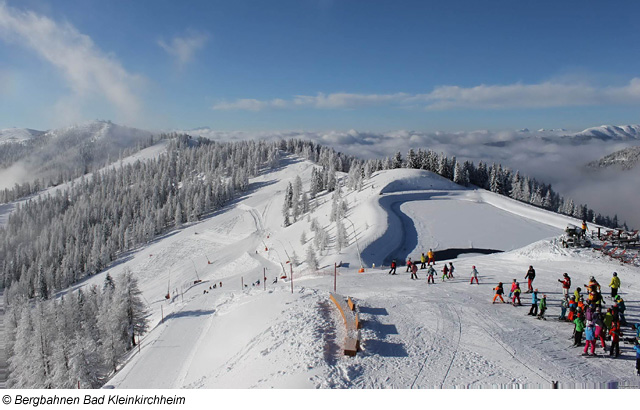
(543, 95)
(183, 49)
(88, 71)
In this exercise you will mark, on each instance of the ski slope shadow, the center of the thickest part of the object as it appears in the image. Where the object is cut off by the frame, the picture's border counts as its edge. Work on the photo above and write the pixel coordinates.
(188, 313)
(378, 344)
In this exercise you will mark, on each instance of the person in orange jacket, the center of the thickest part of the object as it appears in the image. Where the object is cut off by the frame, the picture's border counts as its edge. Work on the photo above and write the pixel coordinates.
(499, 292)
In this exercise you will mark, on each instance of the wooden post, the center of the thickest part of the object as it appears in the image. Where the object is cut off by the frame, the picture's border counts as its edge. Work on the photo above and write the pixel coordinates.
(335, 275)
(78, 384)
(291, 268)
(138, 343)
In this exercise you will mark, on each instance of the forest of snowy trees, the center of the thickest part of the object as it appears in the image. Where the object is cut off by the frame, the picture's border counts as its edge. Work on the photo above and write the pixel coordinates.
(54, 242)
(75, 341)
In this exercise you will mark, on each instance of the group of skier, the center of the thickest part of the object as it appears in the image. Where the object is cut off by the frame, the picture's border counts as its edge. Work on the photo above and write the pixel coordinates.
(427, 262)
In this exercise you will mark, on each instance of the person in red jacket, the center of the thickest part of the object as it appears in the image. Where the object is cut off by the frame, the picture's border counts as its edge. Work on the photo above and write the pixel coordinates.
(414, 271)
(615, 338)
(566, 284)
(409, 264)
(393, 267)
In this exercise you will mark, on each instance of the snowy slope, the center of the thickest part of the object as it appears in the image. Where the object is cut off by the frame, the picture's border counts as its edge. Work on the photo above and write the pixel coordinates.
(414, 335)
(18, 134)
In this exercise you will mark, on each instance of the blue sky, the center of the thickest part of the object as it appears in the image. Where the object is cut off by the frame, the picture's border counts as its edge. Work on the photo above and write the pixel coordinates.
(320, 64)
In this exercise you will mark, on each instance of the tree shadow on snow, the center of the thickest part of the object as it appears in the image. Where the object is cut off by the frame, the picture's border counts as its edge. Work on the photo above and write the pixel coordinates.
(188, 313)
(385, 349)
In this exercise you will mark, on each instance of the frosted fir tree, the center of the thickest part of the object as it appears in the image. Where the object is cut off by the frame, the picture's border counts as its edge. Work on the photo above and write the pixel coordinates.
(129, 299)
(310, 259)
(303, 238)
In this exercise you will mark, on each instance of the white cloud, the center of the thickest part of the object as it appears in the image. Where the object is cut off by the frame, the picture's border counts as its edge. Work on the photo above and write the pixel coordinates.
(543, 95)
(88, 71)
(184, 48)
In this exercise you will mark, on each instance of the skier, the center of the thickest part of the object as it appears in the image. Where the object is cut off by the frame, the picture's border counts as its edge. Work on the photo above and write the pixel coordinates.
(615, 338)
(600, 328)
(499, 292)
(566, 284)
(393, 267)
(408, 264)
(516, 295)
(590, 337)
(592, 282)
(584, 228)
(445, 272)
(513, 287)
(576, 294)
(414, 271)
(534, 304)
(563, 306)
(451, 268)
(578, 329)
(423, 260)
(430, 273)
(430, 257)
(474, 275)
(543, 307)
(614, 285)
(621, 309)
(573, 306)
(531, 274)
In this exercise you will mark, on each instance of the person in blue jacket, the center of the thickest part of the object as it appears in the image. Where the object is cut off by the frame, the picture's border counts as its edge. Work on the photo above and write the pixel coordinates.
(534, 304)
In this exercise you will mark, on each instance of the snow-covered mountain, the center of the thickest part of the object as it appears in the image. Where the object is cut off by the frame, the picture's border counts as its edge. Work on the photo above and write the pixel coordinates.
(17, 135)
(64, 153)
(624, 159)
(611, 132)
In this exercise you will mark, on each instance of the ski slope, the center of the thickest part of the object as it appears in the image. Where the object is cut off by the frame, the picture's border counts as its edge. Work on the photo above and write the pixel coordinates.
(414, 335)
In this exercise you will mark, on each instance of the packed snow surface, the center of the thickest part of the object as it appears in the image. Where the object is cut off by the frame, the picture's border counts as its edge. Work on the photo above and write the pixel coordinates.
(414, 335)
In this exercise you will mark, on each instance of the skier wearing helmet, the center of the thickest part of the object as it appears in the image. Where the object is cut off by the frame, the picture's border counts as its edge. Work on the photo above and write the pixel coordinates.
(566, 284)
(474, 275)
(593, 282)
(614, 285)
(499, 292)
(513, 288)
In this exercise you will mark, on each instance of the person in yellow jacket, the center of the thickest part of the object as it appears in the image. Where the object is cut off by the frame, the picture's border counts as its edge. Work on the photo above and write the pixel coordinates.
(423, 261)
(430, 257)
(614, 285)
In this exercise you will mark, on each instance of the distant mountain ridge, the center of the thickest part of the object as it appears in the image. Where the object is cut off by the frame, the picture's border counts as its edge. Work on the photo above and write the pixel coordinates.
(611, 132)
(625, 159)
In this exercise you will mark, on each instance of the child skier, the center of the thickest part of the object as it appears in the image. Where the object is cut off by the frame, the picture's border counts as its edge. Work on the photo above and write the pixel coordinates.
(543, 307)
(615, 338)
(621, 309)
(423, 260)
(414, 271)
(445, 272)
(451, 270)
(430, 272)
(516, 295)
(408, 264)
(393, 267)
(563, 306)
(499, 292)
(590, 337)
(600, 328)
(474, 275)
(534, 304)
(577, 331)
(513, 287)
